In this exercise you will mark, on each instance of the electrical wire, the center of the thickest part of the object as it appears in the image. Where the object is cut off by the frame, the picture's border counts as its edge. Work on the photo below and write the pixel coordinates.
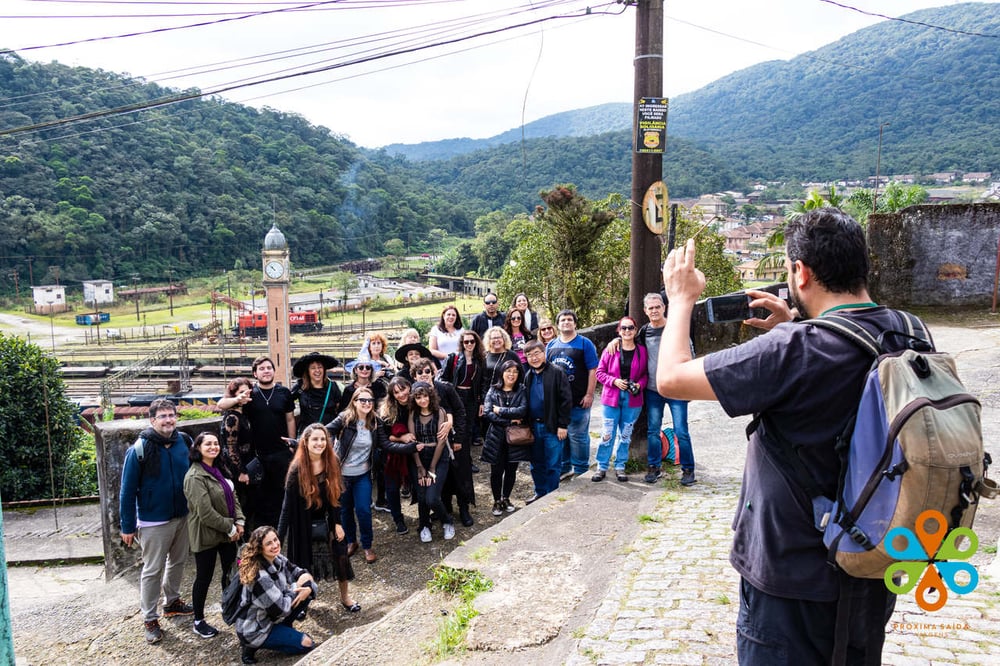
(910, 21)
(174, 99)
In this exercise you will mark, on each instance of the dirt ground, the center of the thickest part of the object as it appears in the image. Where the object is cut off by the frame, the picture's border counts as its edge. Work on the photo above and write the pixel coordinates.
(98, 623)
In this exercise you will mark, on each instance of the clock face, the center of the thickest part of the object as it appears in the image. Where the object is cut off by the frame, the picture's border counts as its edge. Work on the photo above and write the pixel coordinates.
(274, 269)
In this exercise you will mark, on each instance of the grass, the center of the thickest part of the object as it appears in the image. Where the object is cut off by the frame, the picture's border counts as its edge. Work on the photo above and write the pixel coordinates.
(645, 518)
(466, 585)
(482, 554)
(721, 599)
(990, 550)
(501, 538)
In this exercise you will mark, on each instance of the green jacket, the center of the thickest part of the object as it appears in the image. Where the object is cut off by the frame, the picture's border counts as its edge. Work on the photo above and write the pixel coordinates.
(208, 522)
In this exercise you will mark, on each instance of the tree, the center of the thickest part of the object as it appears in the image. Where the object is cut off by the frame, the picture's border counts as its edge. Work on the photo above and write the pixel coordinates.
(395, 248)
(562, 253)
(895, 197)
(29, 380)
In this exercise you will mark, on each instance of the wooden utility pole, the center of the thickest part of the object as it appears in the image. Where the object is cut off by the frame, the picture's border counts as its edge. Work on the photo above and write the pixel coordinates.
(647, 168)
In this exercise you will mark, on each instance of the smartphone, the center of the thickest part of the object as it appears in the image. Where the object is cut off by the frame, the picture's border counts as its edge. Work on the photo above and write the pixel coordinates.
(731, 307)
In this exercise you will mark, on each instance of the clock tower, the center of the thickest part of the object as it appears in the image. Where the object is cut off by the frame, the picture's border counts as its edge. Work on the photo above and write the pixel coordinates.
(275, 262)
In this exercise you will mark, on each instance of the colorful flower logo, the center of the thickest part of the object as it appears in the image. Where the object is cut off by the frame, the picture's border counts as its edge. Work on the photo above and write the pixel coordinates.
(924, 560)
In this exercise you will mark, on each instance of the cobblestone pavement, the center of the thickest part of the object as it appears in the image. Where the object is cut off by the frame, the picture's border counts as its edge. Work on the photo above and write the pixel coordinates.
(676, 600)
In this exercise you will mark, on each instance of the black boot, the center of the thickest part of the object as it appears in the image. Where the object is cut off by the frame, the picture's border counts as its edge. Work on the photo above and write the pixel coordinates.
(464, 515)
(247, 655)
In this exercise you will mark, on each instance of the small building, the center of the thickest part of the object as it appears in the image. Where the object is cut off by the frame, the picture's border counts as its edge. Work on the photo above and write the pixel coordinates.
(98, 292)
(977, 177)
(49, 299)
(943, 176)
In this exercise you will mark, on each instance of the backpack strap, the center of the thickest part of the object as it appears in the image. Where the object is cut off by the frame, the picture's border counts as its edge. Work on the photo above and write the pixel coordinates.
(850, 329)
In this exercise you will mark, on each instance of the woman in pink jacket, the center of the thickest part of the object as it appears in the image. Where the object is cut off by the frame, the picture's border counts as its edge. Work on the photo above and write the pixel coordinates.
(622, 374)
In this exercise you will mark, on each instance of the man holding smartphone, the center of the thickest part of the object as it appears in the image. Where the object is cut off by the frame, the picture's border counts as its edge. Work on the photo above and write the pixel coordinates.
(804, 382)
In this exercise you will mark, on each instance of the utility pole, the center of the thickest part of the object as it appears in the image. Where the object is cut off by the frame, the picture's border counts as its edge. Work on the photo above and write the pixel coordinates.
(6, 635)
(135, 293)
(878, 163)
(170, 289)
(647, 168)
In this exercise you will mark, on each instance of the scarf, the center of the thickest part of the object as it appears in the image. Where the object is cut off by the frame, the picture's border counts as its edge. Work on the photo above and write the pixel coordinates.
(226, 490)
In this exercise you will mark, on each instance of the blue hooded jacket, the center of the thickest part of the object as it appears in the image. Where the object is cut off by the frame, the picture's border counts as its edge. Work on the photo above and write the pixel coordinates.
(156, 497)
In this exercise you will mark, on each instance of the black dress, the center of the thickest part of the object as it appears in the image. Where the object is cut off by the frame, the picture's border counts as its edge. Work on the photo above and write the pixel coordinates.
(308, 536)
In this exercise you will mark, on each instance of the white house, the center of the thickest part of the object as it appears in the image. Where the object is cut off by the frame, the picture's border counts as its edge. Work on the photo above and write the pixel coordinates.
(49, 299)
(98, 292)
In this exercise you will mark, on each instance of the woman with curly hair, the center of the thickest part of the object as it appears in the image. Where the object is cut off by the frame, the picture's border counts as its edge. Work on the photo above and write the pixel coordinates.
(394, 413)
(237, 443)
(521, 303)
(378, 352)
(275, 594)
(310, 515)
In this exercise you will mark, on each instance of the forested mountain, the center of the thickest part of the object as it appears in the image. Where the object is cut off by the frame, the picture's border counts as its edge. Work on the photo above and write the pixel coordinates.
(512, 175)
(817, 115)
(191, 187)
(581, 122)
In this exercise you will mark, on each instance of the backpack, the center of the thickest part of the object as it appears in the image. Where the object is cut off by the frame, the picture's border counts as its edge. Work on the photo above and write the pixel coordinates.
(139, 446)
(232, 600)
(914, 444)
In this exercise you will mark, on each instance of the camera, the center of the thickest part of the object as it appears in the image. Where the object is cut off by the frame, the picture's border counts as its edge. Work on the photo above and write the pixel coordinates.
(634, 388)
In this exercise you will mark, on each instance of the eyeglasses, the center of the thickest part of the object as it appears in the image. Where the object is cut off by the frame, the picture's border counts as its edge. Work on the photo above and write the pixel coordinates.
(163, 417)
(425, 371)
(490, 302)
(468, 342)
(626, 327)
(365, 401)
(515, 319)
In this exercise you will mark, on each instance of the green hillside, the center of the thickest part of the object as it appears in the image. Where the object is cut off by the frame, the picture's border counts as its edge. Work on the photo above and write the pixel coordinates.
(191, 187)
(817, 115)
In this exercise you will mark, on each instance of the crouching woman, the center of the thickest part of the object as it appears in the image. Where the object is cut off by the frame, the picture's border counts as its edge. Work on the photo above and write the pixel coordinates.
(275, 594)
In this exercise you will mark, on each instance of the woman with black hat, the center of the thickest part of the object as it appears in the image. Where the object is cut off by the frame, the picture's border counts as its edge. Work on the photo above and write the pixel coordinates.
(409, 352)
(318, 395)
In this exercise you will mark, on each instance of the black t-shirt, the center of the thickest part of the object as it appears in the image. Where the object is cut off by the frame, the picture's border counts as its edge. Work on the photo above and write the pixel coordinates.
(807, 381)
(266, 411)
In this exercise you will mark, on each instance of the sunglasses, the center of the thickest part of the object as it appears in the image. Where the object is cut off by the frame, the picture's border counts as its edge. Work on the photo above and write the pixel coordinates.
(364, 367)
(425, 371)
(627, 327)
(468, 342)
(490, 302)
(546, 328)
(366, 401)
(515, 319)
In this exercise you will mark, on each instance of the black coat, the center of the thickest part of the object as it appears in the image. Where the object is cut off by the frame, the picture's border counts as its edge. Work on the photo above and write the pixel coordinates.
(295, 523)
(513, 406)
(557, 394)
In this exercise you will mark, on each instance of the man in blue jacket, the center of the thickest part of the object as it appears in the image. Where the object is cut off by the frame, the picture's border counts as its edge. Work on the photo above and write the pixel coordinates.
(153, 487)
(549, 411)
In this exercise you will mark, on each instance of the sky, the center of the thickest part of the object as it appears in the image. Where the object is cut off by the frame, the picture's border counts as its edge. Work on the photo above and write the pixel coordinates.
(476, 87)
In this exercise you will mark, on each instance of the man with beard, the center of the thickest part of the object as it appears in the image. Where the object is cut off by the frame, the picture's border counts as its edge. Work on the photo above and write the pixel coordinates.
(153, 512)
(804, 382)
(270, 410)
(489, 317)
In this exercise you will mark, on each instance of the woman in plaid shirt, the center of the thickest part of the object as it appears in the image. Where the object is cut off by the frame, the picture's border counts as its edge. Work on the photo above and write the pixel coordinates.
(275, 594)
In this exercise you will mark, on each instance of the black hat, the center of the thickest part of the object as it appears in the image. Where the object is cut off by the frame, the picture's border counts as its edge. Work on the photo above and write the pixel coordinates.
(303, 363)
(405, 349)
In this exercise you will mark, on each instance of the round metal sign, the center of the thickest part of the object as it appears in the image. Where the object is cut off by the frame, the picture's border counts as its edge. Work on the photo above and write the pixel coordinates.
(654, 207)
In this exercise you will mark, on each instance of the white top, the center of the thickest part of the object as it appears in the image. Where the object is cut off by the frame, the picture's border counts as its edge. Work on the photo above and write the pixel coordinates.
(448, 343)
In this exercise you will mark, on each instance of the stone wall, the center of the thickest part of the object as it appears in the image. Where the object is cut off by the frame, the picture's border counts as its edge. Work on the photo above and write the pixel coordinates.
(112, 440)
(934, 255)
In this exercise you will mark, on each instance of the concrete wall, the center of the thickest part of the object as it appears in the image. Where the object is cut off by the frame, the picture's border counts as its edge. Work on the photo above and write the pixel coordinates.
(113, 439)
(934, 255)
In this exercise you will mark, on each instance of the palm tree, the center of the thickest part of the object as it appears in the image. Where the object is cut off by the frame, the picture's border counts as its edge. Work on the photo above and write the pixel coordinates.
(775, 257)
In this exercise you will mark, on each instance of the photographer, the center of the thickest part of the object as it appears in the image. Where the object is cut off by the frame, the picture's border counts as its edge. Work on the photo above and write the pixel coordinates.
(622, 372)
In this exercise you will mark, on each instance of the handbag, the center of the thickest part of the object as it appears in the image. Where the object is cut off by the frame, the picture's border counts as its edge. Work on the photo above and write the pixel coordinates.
(320, 530)
(255, 470)
(520, 435)
(232, 600)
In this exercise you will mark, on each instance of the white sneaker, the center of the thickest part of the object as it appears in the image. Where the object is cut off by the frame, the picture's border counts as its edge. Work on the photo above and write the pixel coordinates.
(449, 531)
(425, 534)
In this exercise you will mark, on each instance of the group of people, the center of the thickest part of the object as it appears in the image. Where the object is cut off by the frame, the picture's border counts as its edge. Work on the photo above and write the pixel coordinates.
(403, 425)
(178, 495)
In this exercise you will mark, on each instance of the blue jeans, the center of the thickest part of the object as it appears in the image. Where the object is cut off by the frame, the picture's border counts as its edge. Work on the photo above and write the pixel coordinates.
(283, 638)
(357, 500)
(618, 420)
(546, 454)
(654, 424)
(576, 448)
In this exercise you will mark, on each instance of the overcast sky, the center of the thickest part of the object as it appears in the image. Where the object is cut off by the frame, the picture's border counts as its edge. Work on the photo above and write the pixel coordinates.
(474, 88)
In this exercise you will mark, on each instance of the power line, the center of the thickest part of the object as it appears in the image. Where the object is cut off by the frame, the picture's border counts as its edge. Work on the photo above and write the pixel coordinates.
(182, 97)
(910, 21)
